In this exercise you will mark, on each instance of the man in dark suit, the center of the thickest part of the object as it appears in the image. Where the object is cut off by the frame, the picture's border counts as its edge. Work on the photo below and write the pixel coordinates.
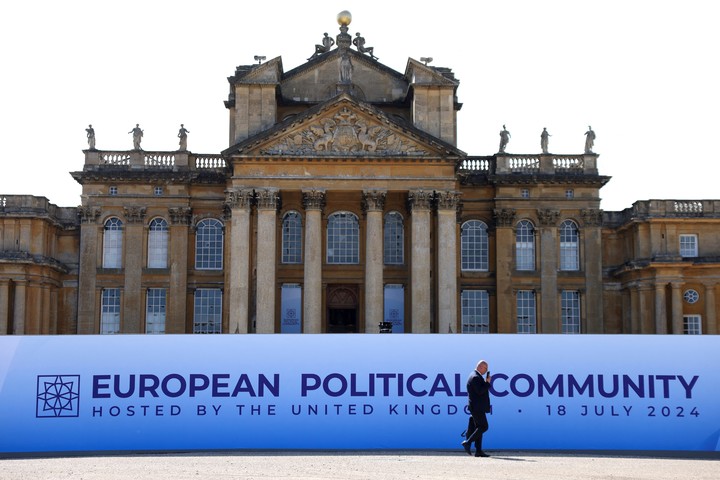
(478, 389)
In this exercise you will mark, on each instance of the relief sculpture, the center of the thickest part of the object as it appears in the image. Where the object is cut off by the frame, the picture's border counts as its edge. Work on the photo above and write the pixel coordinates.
(344, 133)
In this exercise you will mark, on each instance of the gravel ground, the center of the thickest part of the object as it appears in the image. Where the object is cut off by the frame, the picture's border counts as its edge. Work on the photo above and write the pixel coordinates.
(360, 465)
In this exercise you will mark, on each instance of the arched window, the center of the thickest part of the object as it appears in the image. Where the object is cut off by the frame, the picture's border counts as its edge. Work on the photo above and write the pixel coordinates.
(292, 238)
(474, 246)
(569, 246)
(525, 246)
(343, 238)
(209, 245)
(393, 239)
(112, 243)
(158, 243)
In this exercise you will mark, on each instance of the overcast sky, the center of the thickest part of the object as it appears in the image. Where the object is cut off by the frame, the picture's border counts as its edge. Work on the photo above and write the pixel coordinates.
(644, 74)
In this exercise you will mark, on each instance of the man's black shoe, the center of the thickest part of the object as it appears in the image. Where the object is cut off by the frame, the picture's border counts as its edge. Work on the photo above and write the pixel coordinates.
(480, 453)
(466, 446)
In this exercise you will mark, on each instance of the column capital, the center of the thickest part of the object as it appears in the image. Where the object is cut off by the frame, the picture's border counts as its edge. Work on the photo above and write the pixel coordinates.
(420, 199)
(88, 214)
(447, 200)
(504, 217)
(238, 197)
(267, 198)
(373, 200)
(548, 217)
(592, 217)
(180, 215)
(313, 199)
(135, 214)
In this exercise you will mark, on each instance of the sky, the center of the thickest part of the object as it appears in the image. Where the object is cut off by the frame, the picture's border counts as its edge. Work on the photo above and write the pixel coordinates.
(644, 74)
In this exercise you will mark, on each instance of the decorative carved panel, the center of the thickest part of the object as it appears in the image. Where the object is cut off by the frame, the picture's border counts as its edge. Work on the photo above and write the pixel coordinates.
(592, 217)
(344, 134)
(180, 215)
(238, 198)
(88, 214)
(267, 199)
(313, 199)
(373, 200)
(447, 200)
(504, 217)
(134, 214)
(420, 199)
(548, 217)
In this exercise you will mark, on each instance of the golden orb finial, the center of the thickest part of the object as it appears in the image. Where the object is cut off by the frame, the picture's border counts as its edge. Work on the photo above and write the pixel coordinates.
(344, 18)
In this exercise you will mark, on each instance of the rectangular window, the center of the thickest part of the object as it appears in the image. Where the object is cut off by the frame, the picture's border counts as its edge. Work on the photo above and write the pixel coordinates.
(208, 311)
(570, 311)
(526, 321)
(525, 254)
(110, 311)
(688, 246)
(291, 308)
(155, 310)
(475, 311)
(395, 307)
(692, 324)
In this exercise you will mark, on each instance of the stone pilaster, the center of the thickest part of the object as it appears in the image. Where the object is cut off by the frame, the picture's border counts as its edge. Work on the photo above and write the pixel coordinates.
(176, 319)
(548, 271)
(373, 203)
(677, 308)
(239, 202)
(4, 305)
(711, 318)
(660, 309)
(314, 202)
(591, 236)
(504, 241)
(88, 316)
(447, 205)
(267, 205)
(19, 307)
(420, 287)
(133, 317)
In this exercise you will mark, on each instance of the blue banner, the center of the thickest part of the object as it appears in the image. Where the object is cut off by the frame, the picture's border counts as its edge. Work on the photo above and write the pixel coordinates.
(374, 391)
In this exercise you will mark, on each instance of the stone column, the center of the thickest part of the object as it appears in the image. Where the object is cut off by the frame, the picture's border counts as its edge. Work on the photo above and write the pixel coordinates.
(504, 241)
(133, 317)
(313, 202)
(267, 204)
(447, 204)
(373, 202)
(677, 309)
(549, 265)
(19, 310)
(660, 309)
(176, 318)
(239, 201)
(710, 309)
(420, 290)
(90, 245)
(634, 309)
(4, 305)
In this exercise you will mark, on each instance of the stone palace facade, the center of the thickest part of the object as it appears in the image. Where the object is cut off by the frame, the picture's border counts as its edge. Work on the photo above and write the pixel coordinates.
(343, 202)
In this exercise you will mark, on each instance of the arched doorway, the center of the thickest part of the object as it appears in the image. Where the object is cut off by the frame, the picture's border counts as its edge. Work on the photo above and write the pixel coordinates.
(342, 309)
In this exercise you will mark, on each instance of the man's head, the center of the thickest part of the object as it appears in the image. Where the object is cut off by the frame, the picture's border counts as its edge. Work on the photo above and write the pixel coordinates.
(482, 367)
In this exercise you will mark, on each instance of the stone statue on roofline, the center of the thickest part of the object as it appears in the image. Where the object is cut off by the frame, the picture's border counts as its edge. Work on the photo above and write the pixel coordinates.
(589, 140)
(182, 135)
(137, 134)
(327, 43)
(544, 139)
(90, 137)
(359, 42)
(504, 139)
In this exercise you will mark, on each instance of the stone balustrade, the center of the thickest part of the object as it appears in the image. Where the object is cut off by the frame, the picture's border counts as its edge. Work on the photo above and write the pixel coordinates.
(547, 164)
(140, 159)
(645, 209)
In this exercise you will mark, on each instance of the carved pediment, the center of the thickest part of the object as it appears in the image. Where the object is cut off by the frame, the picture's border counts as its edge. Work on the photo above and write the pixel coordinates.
(345, 132)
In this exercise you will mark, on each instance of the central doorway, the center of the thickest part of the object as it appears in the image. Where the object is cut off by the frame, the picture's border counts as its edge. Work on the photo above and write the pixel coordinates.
(342, 309)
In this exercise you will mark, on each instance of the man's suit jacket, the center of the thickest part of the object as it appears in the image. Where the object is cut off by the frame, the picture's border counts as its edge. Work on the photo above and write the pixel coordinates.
(478, 393)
